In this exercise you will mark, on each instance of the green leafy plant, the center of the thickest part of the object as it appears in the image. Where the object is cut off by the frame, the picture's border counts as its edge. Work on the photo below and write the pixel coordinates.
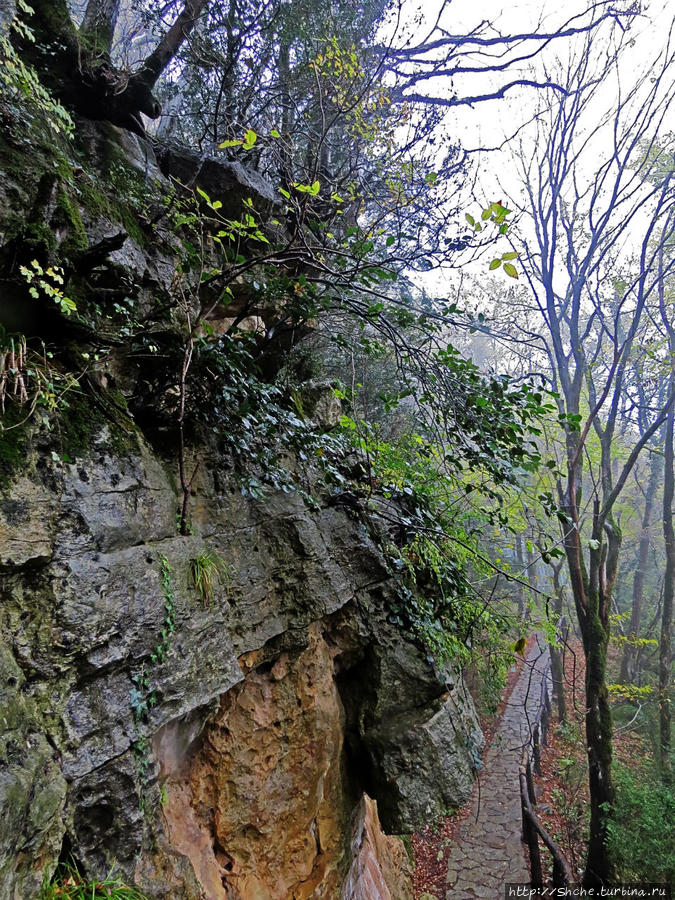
(29, 380)
(641, 826)
(49, 282)
(69, 884)
(141, 698)
(20, 83)
(169, 626)
(207, 569)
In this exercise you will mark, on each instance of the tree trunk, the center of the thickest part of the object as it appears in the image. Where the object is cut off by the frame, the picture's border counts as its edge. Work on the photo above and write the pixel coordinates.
(557, 668)
(629, 661)
(520, 564)
(595, 637)
(667, 615)
(98, 25)
(87, 82)
(591, 590)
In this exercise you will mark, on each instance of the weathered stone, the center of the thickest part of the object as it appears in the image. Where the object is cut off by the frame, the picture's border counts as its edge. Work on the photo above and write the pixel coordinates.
(267, 786)
(260, 717)
(380, 869)
(229, 182)
(28, 513)
(488, 852)
(32, 788)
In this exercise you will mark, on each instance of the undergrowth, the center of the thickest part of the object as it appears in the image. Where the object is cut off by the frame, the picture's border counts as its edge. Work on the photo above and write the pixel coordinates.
(69, 884)
(642, 826)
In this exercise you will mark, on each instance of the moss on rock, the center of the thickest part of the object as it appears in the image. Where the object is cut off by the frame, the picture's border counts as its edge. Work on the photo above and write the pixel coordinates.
(85, 418)
(14, 443)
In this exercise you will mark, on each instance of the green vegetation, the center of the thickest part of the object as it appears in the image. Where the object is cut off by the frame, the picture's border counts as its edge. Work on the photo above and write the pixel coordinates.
(158, 655)
(208, 569)
(82, 417)
(642, 826)
(21, 85)
(466, 478)
(69, 884)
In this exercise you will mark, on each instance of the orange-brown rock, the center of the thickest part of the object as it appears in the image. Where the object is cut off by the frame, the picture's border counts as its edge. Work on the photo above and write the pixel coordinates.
(380, 869)
(264, 812)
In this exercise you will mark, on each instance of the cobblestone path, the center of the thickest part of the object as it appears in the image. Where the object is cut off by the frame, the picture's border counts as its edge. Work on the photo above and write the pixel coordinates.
(489, 852)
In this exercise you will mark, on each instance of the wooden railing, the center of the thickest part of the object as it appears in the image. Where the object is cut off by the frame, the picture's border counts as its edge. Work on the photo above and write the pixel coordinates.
(533, 830)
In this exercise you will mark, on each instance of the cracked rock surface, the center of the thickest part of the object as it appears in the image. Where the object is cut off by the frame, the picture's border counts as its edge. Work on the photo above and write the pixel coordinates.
(275, 709)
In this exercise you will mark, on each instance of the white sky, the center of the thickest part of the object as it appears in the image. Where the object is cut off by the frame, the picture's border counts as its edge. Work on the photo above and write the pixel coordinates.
(492, 123)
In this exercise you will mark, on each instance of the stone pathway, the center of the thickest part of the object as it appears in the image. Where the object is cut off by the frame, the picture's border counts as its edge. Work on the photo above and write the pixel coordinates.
(489, 852)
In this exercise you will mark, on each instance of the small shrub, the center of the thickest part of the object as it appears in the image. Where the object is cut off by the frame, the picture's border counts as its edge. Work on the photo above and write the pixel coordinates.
(642, 827)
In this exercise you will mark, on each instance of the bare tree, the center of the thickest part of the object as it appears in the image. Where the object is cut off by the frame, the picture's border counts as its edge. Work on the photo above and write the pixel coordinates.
(441, 55)
(89, 82)
(630, 656)
(665, 643)
(592, 200)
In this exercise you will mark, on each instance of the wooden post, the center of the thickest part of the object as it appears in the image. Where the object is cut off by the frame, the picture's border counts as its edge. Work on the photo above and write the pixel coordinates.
(530, 832)
(536, 749)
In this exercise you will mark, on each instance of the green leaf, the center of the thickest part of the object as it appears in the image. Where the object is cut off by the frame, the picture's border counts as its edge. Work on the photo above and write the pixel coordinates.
(511, 270)
(284, 193)
(226, 144)
(485, 214)
(390, 240)
(274, 133)
(495, 264)
(250, 137)
(511, 255)
(470, 219)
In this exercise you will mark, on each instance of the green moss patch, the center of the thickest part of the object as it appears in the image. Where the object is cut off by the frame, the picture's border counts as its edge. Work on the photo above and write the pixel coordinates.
(85, 418)
(14, 443)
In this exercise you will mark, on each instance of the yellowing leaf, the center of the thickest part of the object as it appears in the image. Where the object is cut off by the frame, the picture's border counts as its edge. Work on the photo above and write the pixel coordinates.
(249, 139)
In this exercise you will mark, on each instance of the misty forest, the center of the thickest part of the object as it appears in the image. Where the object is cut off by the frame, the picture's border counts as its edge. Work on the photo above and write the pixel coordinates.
(337, 414)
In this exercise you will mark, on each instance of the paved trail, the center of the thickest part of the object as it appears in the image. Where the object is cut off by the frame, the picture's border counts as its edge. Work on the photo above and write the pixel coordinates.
(488, 852)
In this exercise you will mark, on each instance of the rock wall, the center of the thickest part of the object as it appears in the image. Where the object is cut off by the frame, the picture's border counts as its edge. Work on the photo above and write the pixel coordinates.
(277, 706)
(234, 748)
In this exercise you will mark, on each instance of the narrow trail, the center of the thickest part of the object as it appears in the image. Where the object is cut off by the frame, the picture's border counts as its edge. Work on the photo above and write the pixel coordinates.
(488, 852)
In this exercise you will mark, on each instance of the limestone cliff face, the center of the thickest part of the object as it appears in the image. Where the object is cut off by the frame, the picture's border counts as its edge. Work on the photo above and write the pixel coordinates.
(277, 706)
(229, 749)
